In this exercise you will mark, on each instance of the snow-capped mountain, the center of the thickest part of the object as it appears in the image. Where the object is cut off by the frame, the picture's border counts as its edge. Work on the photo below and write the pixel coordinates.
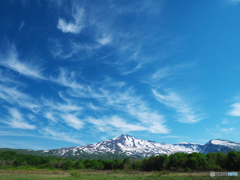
(217, 145)
(137, 147)
(132, 146)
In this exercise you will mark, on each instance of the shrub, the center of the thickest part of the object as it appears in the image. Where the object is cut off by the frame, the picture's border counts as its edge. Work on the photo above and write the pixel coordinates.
(75, 174)
(165, 173)
(68, 165)
(79, 165)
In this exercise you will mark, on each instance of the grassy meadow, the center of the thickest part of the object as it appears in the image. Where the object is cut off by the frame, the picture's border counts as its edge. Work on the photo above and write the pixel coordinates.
(104, 175)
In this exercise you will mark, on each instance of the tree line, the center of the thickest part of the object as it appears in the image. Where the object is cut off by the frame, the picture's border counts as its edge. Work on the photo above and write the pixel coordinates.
(174, 162)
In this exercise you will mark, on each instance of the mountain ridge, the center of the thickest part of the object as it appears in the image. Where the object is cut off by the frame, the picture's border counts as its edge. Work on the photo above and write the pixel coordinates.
(126, 145)
(131, 146)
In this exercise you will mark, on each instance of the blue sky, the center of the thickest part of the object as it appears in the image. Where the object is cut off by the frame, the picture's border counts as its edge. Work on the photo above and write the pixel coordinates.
(80, 72)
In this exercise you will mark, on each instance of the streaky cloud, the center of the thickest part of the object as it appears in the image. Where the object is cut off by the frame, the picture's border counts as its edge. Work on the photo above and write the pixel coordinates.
(74, 27)
(21, 26)
(66, 78)
(235, 110)
(173, 100)
(233, 2)
(52, 133)
(16, 120)
(11, 60)
(73, 121)
(14, 96)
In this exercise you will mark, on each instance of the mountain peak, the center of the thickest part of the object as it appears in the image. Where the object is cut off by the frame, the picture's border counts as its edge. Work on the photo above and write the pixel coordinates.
(123, 136)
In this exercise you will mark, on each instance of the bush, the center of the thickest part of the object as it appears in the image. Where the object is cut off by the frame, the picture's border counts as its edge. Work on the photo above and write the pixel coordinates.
(75, 174)
(165, 173)
(68, 165)
(79, 165)
(118, 171)
(161, 173)
(187, 169)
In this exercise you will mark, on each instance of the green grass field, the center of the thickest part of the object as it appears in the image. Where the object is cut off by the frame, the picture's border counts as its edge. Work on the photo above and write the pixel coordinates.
(103, 175)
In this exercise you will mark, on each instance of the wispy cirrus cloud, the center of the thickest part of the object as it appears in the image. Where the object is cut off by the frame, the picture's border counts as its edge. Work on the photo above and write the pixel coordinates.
(73, 121)
(168, 74)
(61, 107)
(49, 115)
(73, 50)
(109, 94)
(116, 124)
(222, 132)
(128, 47)
(10, 59)
(133, 106)
(51, 133)
(16, 120)
(8, 79)
(235, 110)
(76, 25)
(227, 130)
(66, 78)
(21, 26)
(104, 40)
(11, 91)
(233, 2)
(120, 123)
(14, 96)
(108, 81)
(173, 100)
(225, 121)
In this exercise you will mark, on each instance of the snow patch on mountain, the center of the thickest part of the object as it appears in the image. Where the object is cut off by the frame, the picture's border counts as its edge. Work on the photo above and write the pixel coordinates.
(224, 142)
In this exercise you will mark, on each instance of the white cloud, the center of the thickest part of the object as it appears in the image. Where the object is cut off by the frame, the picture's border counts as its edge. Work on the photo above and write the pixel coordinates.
(116, 123)
(111, 83)
(60, 106)
(16, 120)
(236, 110)
(49, 115)
(73, 121)
(174, 101)
(100, 124)
(8, 78)
(225, 121)
(91, 106)
(104, 40)
(32, 117)
(124, 101)
(10, 60)
(132, 70)
(21, 26)
(62, 136)
(170, 72)
(77, 51)
(234, 2)
(12, 95)
(227, 130)
(67, 79)
(124, 126)
(162, 73)
(75, 26)
(221, 132)
(107, 93)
